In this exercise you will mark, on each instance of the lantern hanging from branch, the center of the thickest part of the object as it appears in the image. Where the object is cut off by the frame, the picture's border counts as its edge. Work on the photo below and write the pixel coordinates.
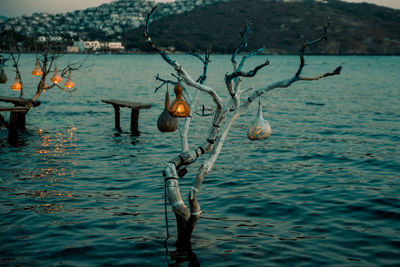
(56, 78)
(69, 84)
(260, 128)
(165, 122)
(37, 71)
(3, 76)
(179, 108)
(16, 86)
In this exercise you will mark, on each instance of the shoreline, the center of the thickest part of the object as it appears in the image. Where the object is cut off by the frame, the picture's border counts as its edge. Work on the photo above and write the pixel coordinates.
(183, 53)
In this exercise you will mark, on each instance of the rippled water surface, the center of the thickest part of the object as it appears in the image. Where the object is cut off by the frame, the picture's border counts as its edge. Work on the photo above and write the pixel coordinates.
(322, 190)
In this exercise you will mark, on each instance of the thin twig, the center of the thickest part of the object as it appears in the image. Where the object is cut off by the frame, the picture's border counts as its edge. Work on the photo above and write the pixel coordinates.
(164, 82)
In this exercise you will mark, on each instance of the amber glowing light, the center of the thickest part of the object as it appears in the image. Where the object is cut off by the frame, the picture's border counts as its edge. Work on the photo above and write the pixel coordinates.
(179, 107)
(56, 78)
(16, 86)
(37, 71)
(69, 84)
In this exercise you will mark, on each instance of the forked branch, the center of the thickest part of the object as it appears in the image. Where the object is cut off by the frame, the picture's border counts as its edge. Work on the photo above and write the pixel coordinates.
(202, 78)
(221, 124)
(323, 37)
(178, 68)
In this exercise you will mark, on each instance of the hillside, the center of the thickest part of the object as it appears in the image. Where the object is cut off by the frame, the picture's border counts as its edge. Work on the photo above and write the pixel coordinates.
(280, 26)
(105, 23)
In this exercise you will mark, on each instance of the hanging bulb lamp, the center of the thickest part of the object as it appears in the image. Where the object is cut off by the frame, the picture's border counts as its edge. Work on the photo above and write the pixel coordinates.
(16, 86)
(37, 71)
(56, 78)
(3, 76)
(69, 84)
(260, 128)
(165, 122)
(179, 108)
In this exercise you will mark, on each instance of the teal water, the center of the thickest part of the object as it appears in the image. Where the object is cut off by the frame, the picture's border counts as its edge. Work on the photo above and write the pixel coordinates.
(322, 190)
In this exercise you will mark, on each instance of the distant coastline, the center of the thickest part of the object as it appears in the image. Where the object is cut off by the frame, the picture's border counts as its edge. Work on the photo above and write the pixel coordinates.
(356, 29)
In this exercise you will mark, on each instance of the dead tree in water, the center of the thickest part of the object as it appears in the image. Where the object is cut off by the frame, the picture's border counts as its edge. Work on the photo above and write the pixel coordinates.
(44, 67)
(224, 117)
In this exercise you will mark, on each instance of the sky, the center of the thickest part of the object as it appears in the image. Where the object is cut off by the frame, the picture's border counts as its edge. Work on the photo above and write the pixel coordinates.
(13, 8)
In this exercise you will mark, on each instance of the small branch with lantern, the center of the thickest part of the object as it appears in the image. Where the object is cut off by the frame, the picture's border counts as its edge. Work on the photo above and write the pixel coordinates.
(44, 67)
(224, 116)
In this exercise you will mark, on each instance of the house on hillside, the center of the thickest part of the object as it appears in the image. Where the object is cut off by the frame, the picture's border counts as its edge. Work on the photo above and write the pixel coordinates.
(96, 46)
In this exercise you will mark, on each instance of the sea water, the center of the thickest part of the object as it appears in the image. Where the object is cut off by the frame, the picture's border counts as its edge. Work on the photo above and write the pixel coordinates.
(322, 190)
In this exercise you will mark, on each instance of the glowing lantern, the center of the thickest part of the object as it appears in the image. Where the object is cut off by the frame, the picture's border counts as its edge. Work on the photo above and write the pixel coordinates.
(167, 123)
(260, 128)
(37, 71)
(179, 108)
(56, 78)
(3, 76)
(69, 84)
(16, 86)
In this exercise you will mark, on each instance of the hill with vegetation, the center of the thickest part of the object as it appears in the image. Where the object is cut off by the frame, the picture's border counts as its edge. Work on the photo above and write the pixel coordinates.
(279, 26)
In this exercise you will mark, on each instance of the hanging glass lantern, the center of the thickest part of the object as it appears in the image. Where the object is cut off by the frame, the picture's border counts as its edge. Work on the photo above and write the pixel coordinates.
(16, 86)
(69, 84)
(179, 108)
(3, 76)
(165, 122)
(56, 78)
(260, 128)
(37, 71)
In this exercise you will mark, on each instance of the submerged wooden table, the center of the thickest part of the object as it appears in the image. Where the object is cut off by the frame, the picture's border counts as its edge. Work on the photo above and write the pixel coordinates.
(18, 112)
(135, 109)
(13, 110)
(19, 101)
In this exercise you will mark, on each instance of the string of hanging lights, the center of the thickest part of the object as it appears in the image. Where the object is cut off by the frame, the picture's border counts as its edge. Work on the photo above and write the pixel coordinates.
(16, 86)
(56, 78)
(69, 84)
(37, 71)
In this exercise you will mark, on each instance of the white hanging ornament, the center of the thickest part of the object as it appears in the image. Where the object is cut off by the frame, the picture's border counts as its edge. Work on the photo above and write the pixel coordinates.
(260, 128)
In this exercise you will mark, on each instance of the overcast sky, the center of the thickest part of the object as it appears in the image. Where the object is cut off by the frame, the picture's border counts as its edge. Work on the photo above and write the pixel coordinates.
(12, 8)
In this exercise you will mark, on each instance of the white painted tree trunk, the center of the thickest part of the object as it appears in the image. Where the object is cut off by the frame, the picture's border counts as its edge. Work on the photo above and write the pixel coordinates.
(222, 122)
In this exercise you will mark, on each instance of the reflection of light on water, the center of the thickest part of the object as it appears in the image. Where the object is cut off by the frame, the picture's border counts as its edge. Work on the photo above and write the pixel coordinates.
(57, 146)
(52, 201)
(55, 153)
(71, 132)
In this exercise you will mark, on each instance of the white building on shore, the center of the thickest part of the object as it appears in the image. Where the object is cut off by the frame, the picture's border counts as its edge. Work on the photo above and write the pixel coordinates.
(96, 46)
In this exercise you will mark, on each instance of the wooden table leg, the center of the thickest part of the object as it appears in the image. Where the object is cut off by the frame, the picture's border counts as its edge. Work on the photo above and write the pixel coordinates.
(21, 121)
(117, 117)
(17, 119)
(135, 121)
(12, 127)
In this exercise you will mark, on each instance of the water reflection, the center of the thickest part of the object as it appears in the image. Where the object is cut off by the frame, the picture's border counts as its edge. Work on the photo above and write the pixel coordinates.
(53, 165)
(58, 145)
(121, 137)
(181, 256)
